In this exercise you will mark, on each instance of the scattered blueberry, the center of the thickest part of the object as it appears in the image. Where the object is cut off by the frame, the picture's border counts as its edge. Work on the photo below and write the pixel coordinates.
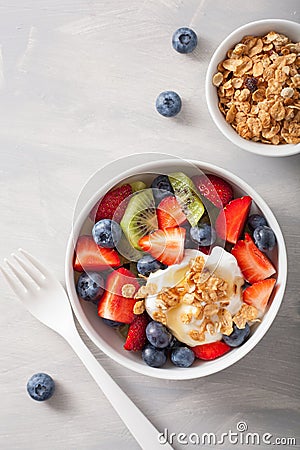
(238, 336)
(147, 264)
(168, 103)
(40, 387)
(107, 233)
(161, 188)
(184, 40)
(112, 323)
(90, 286)
(158, 335)
(256, 220)
(153, 356)
(182, 356)
(203, 234)
(264, 238)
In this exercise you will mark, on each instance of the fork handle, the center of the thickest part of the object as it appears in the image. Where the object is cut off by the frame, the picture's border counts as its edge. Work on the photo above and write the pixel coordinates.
(140, 427)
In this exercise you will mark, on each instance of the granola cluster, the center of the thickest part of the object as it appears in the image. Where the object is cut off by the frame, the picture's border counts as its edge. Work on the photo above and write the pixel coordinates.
(258, 87)
(208, 296)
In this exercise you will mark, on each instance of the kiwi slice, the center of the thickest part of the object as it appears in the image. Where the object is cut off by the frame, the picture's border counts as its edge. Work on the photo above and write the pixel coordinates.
(138, 186)
(139, 218)
(126, 251)
(186, 194)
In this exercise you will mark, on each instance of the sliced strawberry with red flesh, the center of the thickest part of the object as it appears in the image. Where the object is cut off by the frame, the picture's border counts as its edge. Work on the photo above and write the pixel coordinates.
(89, 256)
(167, 246)
(112, 304)
(112, 205)
(259, 293)
(254, 264)
(211, 351)
(169, 213)
(231, 220)
(136, 337)
(214, 188)
(205, 250)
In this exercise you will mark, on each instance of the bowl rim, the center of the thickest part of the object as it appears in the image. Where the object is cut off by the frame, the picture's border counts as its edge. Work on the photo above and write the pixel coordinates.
(210, 94)
(209, 367)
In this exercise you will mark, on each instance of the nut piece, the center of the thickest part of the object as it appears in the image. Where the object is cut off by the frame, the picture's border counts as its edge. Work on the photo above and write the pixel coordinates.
(141, 293)
(226, 321)
(197, 336)
(128, 290)
(151, 288)
(186, 317)
(245, 314)
(217, 79)
(139, 307)
(159, 316)
(287, 92)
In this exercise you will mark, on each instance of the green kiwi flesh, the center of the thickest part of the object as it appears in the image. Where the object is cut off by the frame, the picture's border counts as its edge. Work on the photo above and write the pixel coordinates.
(186, 194)
(139, 218)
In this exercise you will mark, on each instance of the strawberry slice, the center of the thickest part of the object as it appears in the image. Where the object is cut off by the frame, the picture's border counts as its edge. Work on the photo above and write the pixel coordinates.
(214, 188)
(254, 264)
(112, 205)
(136, 337)
(169, 213)
(167, 246)
(259, 293)
(231, 220)
(211, 351)
(205, 250)
(112, 304)
(89, 256)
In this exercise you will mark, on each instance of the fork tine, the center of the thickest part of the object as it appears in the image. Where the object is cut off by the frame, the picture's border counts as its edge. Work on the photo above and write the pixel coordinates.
(34, 262)
(16, 287)
(29, 269)
(19, 274)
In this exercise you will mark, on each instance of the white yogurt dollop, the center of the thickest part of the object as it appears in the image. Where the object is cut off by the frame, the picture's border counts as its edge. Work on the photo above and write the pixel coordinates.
(223, 265)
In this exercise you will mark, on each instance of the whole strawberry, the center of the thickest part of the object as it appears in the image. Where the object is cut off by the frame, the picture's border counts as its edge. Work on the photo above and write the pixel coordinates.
(214, 188)
(136, 337)
(112, 205)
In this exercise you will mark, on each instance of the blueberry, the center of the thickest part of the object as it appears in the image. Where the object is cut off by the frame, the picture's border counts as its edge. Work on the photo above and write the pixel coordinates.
(40, 387)
(158, 335)
(90, 286)
(238, 336)
(184, 40)
(168, 103)
(162, 183)
(161, 188)
(203, 234)
(182, 356)
(111, 323)
(256, 220)
(153, 356)
(107, 233)
(174, 343)
(147, 264)
(264, 238)
(189, 243)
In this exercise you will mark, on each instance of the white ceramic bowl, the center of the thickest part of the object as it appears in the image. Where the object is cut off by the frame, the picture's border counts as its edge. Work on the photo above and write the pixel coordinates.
(259, 28)
(107, 339)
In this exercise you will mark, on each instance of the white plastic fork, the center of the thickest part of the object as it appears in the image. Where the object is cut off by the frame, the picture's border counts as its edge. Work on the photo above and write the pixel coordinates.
(45, 298)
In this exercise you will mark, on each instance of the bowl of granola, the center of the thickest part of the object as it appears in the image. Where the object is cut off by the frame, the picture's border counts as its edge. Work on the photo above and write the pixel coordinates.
(175, 268)
(253, 87)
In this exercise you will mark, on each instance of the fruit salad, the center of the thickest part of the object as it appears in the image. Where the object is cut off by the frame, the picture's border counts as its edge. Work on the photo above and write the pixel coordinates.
(180, 266)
